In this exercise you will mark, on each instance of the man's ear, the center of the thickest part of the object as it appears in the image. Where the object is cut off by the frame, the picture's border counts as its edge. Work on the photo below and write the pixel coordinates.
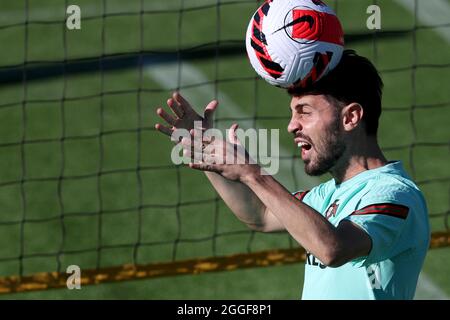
(352, 116)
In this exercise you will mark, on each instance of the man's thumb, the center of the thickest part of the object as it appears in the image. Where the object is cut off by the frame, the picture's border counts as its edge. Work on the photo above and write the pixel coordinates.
(209, 112)
(232, 134)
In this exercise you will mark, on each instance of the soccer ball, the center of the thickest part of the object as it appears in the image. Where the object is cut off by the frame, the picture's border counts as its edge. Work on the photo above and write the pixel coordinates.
(294, 42)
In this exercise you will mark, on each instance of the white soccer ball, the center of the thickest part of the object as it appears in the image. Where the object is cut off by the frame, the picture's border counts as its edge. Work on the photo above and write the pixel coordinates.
(294, 42)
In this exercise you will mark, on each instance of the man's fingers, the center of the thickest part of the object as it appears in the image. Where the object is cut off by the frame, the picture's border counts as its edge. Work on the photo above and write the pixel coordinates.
(163, 129)
(175, 107)
(168, 117)
(183, 103)
(209, 112)
(199, 133)
(232, 137)
(198, 157)
(186, 142)
(198, 146)
(204, 167)
(188, 153)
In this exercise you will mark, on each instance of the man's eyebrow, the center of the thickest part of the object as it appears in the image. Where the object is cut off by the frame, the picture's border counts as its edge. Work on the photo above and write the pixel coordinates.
(300, 105)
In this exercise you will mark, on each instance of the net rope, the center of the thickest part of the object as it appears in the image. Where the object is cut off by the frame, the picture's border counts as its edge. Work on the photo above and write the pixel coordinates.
(31, 71)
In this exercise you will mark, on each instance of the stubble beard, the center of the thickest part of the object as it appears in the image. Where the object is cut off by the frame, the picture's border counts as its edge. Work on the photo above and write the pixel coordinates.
(328, 151)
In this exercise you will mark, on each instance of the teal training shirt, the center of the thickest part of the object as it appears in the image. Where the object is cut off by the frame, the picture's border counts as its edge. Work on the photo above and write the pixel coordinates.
(387, 204)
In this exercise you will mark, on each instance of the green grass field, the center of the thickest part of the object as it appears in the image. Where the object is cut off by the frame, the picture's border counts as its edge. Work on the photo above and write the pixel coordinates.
(91, 219)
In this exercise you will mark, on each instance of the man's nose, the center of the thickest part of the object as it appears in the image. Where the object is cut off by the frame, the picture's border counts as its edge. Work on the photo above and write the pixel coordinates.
(294, 126)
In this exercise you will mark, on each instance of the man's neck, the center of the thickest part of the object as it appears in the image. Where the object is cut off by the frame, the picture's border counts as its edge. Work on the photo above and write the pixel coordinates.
(366, 155)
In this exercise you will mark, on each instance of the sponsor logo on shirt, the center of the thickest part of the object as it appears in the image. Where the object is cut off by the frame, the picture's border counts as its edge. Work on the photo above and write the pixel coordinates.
(313, 261)
(332, 209)
(374, 276)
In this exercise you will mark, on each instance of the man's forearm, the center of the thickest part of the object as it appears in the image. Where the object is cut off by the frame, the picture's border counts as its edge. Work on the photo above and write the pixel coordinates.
(311, 230)
(240, 199)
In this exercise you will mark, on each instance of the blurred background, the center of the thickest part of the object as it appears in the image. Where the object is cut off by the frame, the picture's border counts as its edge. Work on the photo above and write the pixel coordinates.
(86, 180)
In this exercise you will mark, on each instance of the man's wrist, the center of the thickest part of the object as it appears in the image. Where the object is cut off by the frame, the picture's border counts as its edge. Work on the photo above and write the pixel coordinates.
(253, 175)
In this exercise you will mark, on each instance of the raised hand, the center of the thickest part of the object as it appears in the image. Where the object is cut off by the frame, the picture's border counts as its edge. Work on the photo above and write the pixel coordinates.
(184, 115)
(227, 158)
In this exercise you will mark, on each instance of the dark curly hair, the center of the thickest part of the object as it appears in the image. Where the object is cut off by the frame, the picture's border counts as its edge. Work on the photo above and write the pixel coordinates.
(354, 79)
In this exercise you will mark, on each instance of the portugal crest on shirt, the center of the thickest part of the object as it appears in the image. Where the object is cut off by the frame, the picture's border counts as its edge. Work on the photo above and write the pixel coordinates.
(332, 209)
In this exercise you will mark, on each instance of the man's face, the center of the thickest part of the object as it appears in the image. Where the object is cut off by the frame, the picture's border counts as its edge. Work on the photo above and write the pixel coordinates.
(315, 123)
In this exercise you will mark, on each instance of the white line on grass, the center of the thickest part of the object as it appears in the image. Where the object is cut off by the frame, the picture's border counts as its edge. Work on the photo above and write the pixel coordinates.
(430, 12)
(166, 75)
(428, 290)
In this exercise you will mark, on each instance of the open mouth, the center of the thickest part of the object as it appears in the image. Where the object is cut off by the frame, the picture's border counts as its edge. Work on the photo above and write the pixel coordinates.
(305, 146)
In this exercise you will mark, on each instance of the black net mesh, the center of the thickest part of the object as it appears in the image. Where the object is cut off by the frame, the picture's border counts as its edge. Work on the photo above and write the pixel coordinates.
(86, 180)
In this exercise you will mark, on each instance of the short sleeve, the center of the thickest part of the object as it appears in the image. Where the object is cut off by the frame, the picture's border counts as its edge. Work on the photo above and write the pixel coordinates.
(383, 217)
